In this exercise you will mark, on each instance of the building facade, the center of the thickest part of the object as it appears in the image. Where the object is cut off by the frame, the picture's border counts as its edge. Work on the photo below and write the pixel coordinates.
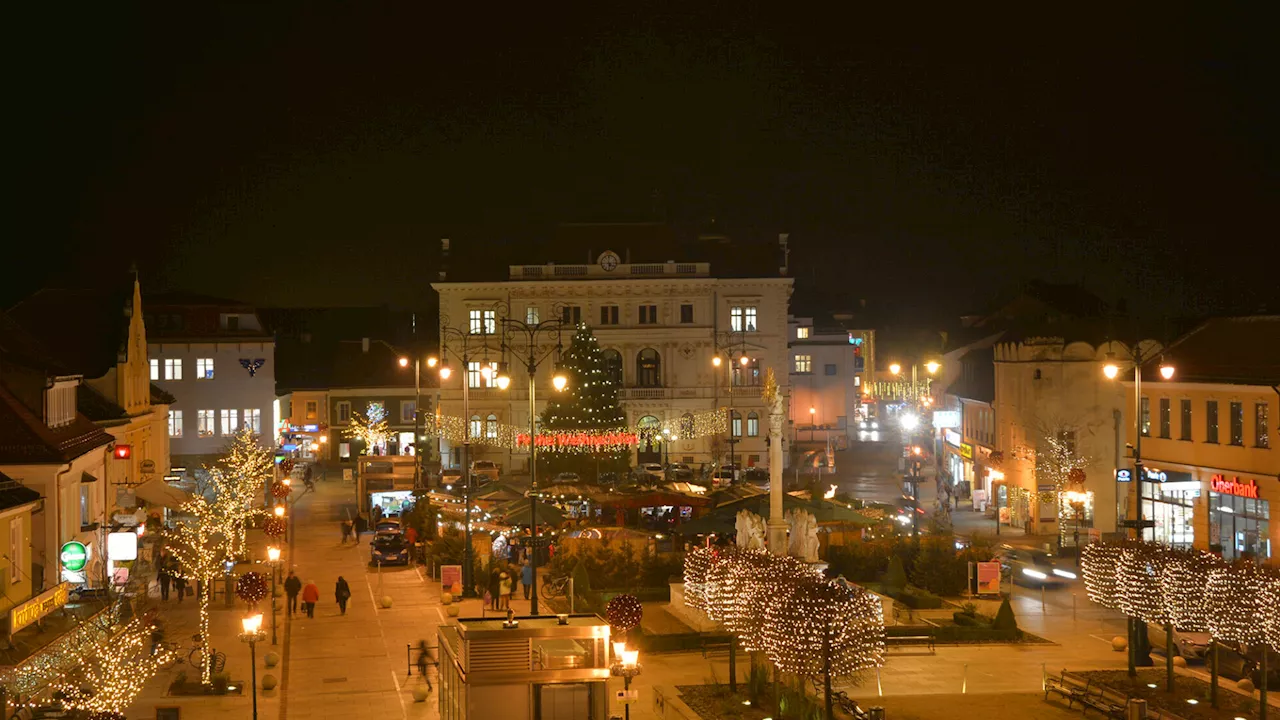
(830, 372)
(215, 357)
(1209, 439)
(662, 325)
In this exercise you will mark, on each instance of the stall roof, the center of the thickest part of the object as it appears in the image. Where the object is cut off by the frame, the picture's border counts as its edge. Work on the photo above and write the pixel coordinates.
(653, 498)
(517, 513)
(725, 517)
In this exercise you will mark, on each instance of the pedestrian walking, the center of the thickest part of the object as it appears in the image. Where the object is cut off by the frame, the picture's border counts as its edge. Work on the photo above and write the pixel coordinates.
(164, 575)
(179, 586)
(346, 530)
(292, 586)
(504, 591)
(342, 592)
(361, 525)
(494, 588)
(526, 578)
(310, 596)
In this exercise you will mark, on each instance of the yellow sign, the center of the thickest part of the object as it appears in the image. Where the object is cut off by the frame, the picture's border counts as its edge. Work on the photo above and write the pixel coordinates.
(966, 451)
(37, 607)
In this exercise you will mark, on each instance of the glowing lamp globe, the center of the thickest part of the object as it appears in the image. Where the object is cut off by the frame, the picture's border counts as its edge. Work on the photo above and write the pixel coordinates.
(559, 382)
(503, 381)
(745, 361)
(404, 362)
(895, 368)
(716, 361)
(431, 361)
(251, 624)
(1166, 371)
(932, 366)
(445, 372)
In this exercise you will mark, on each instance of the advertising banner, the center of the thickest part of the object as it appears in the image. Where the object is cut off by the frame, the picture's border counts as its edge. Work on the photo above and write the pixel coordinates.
(451, 577)
(988, 578)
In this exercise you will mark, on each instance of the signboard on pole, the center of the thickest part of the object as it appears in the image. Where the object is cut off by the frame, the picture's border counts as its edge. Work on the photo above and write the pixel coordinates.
(451, 576)
(988, 578)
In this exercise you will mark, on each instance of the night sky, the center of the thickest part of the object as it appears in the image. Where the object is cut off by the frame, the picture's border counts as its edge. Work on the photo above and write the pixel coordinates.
(313, 156)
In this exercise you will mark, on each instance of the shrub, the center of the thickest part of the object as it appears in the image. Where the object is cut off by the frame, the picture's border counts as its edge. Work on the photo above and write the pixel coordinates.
(966, 620)
(1005, 620)
(918, 599)
(895, 578)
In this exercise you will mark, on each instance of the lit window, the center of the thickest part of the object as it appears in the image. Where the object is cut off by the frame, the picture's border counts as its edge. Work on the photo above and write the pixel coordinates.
(1261, 426)
(476, 379)
(344, 451)
(206, 419)
(312, 407)
(408, 410)
(155, 368)
(753, 424)
(230, 422)
(804, 363)
(802, 333)
(252, 419)
(204, 369)
(173, 368)
(742, 318)
(175, 423)
(491, 427)
(737, 424)
(531, 315)
(476, 427)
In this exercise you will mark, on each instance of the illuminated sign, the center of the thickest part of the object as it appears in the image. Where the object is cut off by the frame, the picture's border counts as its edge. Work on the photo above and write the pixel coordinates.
(952, 437)
(1124, 475)
(123, 452)
(311, 428)
(966, 451)
(37, 607)
(1220, 484)
(122, 546)
(947, 419)
(1154, 475)
(74, 556)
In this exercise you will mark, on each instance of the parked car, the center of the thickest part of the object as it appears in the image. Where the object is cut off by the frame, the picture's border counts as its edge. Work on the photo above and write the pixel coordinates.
(1235, 663)
(1190, 645)
(871, 424)
(680, 471)
(609, 478)
(567, 477)
(721, 478)
(387, 526)
(484, 470)
(389, 550)
(1033, 568)
(653, 470)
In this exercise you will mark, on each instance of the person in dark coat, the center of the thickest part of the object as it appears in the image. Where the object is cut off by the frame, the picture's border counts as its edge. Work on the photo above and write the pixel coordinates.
(179, 586)
(361, 526)
(342, 593)
(164, 575)
(292, 586)
(346, 530)
(495, 582)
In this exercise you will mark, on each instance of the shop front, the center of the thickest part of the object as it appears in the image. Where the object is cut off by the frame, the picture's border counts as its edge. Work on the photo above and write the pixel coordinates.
(1169, 499)
(1239, 518)
(959, 464)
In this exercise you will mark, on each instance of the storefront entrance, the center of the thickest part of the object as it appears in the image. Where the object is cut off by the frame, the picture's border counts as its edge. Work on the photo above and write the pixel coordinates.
(1172, 506)
(1239, 526)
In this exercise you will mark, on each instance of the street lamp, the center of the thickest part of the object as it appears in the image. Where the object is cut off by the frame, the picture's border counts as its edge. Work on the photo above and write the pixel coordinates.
(1076, 500)
(525, 346)
(626, 665)
(727, 345)
(251, 632)
(895, 368)
(273, 557)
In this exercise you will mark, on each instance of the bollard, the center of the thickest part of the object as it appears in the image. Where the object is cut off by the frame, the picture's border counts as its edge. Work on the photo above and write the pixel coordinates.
(1042, 608)
(408, 660)
(964, 684)
(879, 687)
(1073, 607)
(1044, 682)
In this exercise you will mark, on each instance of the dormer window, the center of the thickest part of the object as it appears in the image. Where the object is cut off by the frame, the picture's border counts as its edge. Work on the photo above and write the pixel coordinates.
(60, 403)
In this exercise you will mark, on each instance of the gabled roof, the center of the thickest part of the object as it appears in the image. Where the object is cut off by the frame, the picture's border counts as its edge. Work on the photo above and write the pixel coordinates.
(85, 329)
(977, 380)
(343, 364)
(181, 298)
(1230, 350)
(96, 406)
(160, 397)
(14, 494)
(26, 439)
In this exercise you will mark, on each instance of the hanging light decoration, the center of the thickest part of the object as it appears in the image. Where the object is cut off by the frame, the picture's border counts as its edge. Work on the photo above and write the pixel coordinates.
(1184, 580)
(624, 613)
(1233, 601)
(252, 587)
(1099, 565)
(1138, 574)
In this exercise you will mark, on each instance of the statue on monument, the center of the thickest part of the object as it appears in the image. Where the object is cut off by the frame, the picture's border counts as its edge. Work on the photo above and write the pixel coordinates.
(803, 542)
(751, 530)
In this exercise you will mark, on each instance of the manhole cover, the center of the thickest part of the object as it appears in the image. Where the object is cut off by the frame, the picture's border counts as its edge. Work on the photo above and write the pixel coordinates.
(333, 680)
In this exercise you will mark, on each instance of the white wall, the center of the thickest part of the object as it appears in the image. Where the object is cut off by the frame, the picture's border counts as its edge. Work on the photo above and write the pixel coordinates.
(231, 388)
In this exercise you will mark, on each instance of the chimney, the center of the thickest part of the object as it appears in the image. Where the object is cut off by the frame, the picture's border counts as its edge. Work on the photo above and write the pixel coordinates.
(364, 345)
(444, 260)
(783, 238)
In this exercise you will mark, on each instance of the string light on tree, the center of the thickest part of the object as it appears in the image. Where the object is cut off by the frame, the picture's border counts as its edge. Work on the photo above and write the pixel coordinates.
(197, 542)
(1099, 564)
(109, 677)
(1184, 581)
(370, 428)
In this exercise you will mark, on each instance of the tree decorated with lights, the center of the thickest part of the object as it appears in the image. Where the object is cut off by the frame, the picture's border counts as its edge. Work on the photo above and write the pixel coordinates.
(588, 407)
(1100, 563)
(198, 543)
(237, 482)
(823, 626)
(111, 675)
(370, 428)
(1059, 462)
(1138, 574)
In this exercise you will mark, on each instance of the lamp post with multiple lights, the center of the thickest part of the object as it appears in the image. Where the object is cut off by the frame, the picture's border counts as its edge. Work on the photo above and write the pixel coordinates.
(1111, 370)
(483, 331)
(626, 665)
(417, 414)
(521, 340)
(731, 349)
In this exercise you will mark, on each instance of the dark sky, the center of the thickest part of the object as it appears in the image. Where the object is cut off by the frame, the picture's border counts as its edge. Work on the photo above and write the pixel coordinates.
(313, 155)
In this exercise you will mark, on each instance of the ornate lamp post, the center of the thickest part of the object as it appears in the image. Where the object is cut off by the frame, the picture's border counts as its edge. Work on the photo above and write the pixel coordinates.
(731, 345)
(273, 557)
(252, 633)
(520, 338)
(626, 665)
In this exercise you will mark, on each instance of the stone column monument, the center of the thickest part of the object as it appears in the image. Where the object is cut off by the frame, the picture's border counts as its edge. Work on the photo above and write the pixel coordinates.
(777, 417)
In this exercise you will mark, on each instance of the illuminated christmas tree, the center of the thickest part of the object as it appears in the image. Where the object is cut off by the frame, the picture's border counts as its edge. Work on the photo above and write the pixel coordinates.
(113, 673)
(370, 428)
(198, 543)
(587, 407)
(237, 483)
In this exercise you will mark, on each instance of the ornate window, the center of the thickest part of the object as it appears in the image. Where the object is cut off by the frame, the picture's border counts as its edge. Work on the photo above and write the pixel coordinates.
(613, 366)
(648, 368)
(753, 424)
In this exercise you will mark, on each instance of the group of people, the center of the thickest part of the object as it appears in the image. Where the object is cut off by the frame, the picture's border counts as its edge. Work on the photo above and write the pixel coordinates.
(502, 585)
(168, 575)
(356, 526)
(310, 594)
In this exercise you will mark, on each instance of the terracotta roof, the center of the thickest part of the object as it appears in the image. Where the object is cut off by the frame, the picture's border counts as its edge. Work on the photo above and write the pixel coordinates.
(160, 397)
(25, 439)
(98, 407)
(14, 494)
(86, 330)
(1230, 350)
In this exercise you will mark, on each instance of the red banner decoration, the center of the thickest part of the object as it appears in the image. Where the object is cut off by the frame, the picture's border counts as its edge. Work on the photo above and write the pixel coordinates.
(580, 440)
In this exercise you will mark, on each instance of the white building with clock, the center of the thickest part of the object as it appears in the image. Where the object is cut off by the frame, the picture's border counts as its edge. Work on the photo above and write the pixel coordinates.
(663, 324)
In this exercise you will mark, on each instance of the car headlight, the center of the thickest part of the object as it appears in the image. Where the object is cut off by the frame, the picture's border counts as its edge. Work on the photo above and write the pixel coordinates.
(875, 426)
(1064, 573)
(862, 425)
(1034, 573)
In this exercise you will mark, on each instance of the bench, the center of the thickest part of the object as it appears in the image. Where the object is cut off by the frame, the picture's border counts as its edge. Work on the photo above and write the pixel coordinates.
(907, 640)
(1075, 689)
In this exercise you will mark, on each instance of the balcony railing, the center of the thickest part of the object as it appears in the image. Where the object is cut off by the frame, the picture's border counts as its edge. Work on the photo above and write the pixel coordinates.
(555, 272)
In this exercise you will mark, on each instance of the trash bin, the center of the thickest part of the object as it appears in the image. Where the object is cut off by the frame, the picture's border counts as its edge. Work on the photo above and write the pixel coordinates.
(875, 713)
(1137, 709)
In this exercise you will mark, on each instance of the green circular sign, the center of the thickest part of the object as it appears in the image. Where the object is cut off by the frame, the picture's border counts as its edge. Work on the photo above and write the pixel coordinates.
(74, 556)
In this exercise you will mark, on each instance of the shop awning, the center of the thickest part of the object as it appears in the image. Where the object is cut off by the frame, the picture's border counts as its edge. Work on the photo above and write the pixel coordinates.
(158, 492)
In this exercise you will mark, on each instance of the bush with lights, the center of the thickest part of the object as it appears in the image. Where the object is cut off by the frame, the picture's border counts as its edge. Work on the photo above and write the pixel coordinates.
(820, 619)
(1233, 602)
(1138, 574)
(1099, 563)
(111, 675)
(1184, 584)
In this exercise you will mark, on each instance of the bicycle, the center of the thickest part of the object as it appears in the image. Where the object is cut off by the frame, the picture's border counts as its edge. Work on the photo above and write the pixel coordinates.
(554, 588)
(195, 655)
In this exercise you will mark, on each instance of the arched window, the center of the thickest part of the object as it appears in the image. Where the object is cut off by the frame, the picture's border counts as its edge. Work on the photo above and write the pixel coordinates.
(737, 424)
(686, 425)
(491, 427)
(648, 368)
(613, 366)
(476, 427)
(753, 424)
